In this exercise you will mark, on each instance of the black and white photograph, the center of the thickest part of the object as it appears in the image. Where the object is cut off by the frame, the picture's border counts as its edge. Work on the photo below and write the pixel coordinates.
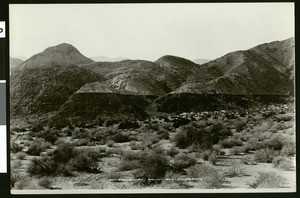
(152, 97)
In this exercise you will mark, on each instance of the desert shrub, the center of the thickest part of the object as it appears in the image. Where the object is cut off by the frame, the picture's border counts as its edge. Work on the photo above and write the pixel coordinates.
(231, 142)
(95, 154)
(216, 148)
(15, 177)
(194, 134)
(79, 133)
(83, 142)
(38, 146)
(269, 180)
(148, 139)
(116, 151)
(252, 144)
(235, 170)
(245, 136)
(26, 143)
(247, 159)
(181, 140)
(16, 164)
(153, 168)
(63, 160)
(65, 169)
(131, 155)
(130, 161)
(219, 132)
(103, 136)
(121, 137)
(163, 134)
(46, 182)
(153, 126)
(210, 177)
(49, 136)
(205, 154)
(19, 181)
(283, 163)
(237, 150)
(82, 162)
(167, 126)
(173, 151)
(289, 150)
(183, 161)
(283, 117)
(114, 177)
(26, 137)
(37, 128)
(42, 167)
(180, 122)
(213, 158)
(20, 155)
(63, 153)
(110, 143)
(15, 148)
(265, 136)
(127, 165)
(276, 142)
(136, 145)
(60, 141)
(198, 136)
(240, 125)
(18, 130)
(92, 143)
(174, 181)
(159, 149)
(128, 125)
(265, 155)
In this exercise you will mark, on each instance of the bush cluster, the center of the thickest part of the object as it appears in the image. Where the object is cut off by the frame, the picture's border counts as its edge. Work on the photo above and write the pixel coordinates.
(265, 155)
(63, 160)
(198, 135)
(129, 125)
(231, 142)
(269, 180)
(15, 148)
(183, 161)
(130, 160)
(210, 177)
(38, 146)
(283, 163)
(153, 168)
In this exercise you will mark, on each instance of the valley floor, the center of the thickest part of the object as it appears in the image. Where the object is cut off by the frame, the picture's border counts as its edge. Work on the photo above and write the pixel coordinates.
(248, 149)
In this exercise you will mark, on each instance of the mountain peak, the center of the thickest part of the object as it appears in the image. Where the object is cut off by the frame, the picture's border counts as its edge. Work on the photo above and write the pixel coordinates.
(63, 54)
(64, 47)
(170, 59)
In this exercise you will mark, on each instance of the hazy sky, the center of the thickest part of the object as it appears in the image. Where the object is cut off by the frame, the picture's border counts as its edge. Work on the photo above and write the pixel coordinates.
(149, 31)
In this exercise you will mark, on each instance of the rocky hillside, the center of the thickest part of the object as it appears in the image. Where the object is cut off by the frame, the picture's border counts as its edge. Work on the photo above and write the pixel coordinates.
(264, 69)
(135, 76)
(61, 79)
(46, 81)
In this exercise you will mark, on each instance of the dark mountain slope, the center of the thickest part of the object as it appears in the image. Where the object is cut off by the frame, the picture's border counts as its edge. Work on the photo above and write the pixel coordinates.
(265, 69)
(46, 89)
(176, 70)
(46, 80)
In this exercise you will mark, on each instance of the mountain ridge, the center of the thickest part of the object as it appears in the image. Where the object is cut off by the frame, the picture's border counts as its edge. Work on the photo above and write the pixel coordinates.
(53, 76)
